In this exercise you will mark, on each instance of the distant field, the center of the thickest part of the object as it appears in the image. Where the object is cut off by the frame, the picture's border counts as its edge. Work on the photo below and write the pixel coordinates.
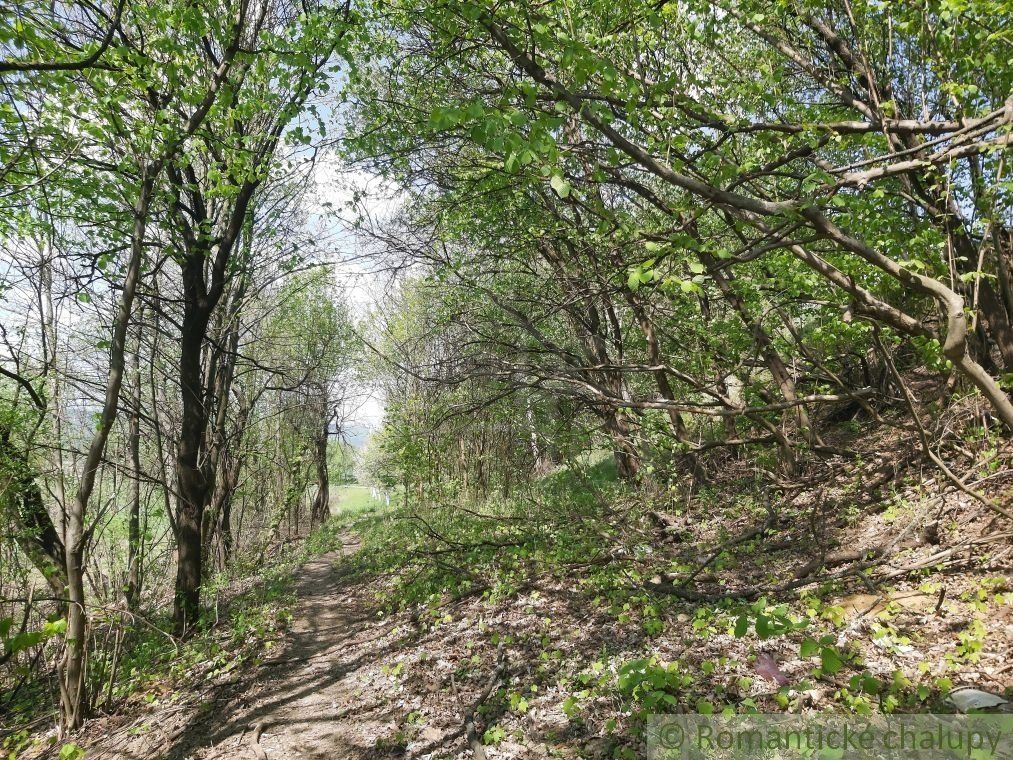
(345, 499)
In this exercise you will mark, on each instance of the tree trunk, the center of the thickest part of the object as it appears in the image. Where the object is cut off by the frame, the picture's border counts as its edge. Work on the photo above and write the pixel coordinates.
(221, 372)
(74, 700)
(133, 590)
(73, 695)
(225, 529)
(34, 531)
(778, 370)
(321, 502)
(626, 455)
(190, 479)
(654, 355)
(186, 608)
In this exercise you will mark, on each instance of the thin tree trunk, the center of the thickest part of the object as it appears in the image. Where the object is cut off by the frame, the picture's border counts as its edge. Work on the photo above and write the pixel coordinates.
(74, 699)
(655, 357)
(133, 590)
(778, 370)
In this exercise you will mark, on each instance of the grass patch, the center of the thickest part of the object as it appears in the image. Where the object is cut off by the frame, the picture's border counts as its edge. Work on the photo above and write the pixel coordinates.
(352, 500)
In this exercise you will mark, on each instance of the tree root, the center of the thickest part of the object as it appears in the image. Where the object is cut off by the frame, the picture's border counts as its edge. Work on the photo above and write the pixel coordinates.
(258, 729)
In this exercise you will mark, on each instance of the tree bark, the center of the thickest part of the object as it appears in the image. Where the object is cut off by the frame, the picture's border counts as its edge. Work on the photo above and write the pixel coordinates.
(654, 355)
(191, 482)
(34, 531)
(320, 510)
(74, 700)
(133, 590)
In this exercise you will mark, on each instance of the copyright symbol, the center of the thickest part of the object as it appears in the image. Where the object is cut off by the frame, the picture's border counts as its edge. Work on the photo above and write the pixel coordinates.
(671, 736)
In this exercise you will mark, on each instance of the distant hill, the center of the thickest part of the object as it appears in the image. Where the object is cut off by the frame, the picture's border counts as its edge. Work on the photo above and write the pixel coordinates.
(356, 435)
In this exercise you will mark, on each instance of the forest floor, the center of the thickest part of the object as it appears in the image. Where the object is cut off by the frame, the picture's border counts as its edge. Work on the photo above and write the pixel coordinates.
(352, 683)
(335, 689)
(548, 624)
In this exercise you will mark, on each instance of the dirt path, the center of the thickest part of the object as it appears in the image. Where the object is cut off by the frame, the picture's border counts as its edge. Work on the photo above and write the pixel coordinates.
(309, 703)
(349, 683)
(322, 696)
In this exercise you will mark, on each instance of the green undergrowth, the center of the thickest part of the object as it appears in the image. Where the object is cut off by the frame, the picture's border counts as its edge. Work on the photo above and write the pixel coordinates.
(350, 500)
(495, 547)
(581, 535)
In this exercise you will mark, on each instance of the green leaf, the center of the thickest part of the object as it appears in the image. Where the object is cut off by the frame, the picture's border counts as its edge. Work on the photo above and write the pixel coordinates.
(475, 110)
(871, 684)
(688, 286)
(830, 661)
(809, 648)
(25, 640)
(570, 707)
(741, 626)
(560, 185)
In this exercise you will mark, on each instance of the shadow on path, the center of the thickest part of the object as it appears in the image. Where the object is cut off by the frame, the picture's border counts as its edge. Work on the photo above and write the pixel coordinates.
(312, 701)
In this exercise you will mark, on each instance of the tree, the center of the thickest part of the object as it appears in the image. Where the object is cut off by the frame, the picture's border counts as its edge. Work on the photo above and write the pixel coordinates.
(212, 192)
(630, 208)
(309, 335)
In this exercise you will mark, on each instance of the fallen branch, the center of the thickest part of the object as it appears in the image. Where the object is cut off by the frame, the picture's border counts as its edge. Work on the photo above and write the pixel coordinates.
(742, 538)
(923, 435)
(470, 731)
(836, 560)
(944, 554)
(748, 594)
